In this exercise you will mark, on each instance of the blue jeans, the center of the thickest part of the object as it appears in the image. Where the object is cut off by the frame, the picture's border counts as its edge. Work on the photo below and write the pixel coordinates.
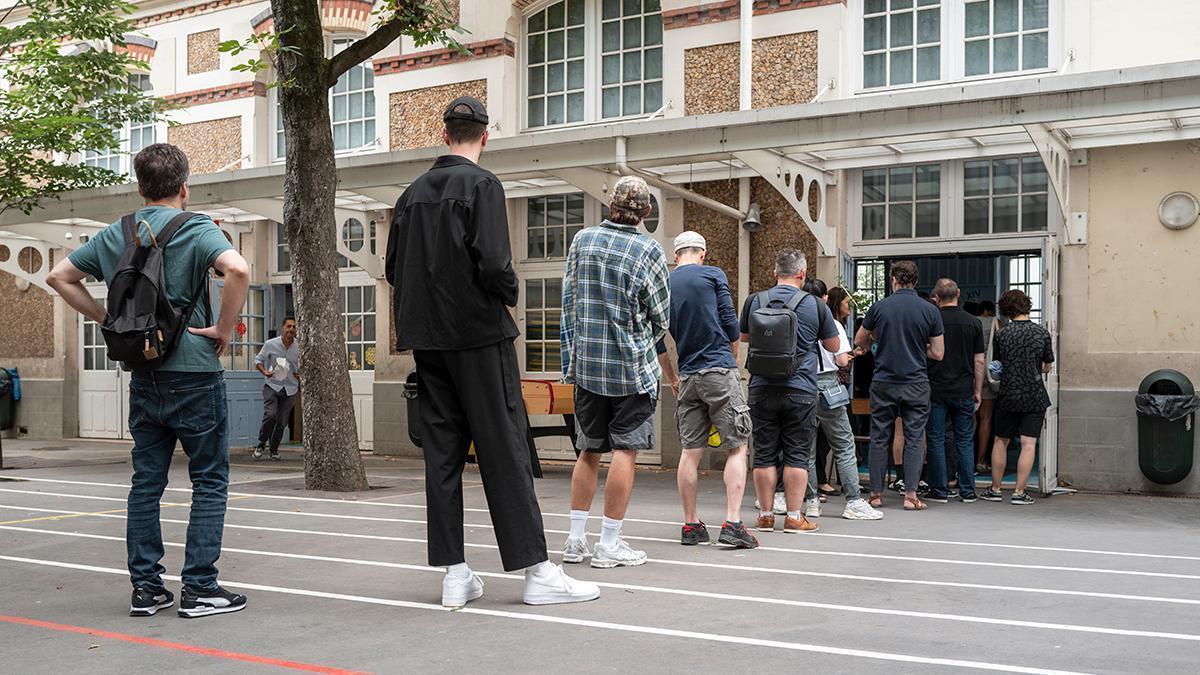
(962, 416)
(189, 407)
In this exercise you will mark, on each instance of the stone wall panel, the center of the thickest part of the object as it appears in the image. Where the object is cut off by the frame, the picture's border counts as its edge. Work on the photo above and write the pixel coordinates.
(202, 53)
(209, 145)
(784, 73)
(416, 115)
(28, 327)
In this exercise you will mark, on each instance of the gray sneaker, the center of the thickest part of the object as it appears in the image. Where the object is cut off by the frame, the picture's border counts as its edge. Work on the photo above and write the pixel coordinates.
(859, 509)
(619, 556)
(576, 550)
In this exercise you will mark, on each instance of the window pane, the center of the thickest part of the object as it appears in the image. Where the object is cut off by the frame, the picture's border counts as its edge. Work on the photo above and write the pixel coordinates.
(929, 179)
(533, 354)
(575, 208)
(975, 216)
(340, 106)
(875, 70)
(612, 36)
(653, 96)
(556, 15)
(874, 33)
(575, 107)
(900, 4)
(533, 293)
(653, 65)
(554, 211)
(356, 135)
(554, 77)
(1036, 14)
(929, 26)
(555, 242)
(873, 222)
(1033, 175)
(575, 13)
(1005, 17)
(977, 57)
(356, 106)
(537, 113)
(554, 110)
(556, 45)
(928, 219)
(537, 48)
(575, 43)
(612, 9)
(537, 243)
(537, 22)
(1034, 215)
(1004, 176)
(631, 32)
(874, 186)
(1004, 54)
(612, 102)
(632, 66)
(631, 100)
(632, 7)
(900, 221)
(553, 355)
(537, 80)
(976, 178)
(1035, 51)
(1004, 214)
(340, 137)
(902, 29)
(929, 64)
(554, 296)
(875, 6)
(977, 19)
(902, 63)
(900, 184)
(654, 30)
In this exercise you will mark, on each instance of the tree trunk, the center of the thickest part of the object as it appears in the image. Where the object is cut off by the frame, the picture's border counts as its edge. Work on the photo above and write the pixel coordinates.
(331, 456)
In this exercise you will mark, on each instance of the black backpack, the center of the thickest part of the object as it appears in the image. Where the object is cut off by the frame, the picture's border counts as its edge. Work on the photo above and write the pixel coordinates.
(143, 327)
(774, 350)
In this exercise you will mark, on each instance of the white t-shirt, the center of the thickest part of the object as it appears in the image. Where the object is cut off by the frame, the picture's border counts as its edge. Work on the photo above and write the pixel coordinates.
(828, 365)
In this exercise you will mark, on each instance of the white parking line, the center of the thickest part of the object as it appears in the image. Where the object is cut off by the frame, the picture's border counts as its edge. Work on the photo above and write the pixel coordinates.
(940, 542)
(585, 623)
(738, 568)
(838, 554)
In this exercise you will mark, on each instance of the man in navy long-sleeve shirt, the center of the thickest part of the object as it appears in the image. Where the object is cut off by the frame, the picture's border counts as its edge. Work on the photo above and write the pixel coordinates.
(708, 386)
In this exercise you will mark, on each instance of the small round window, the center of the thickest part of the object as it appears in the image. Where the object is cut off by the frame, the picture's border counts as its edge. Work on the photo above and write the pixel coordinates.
(353, 234)
(651, 221)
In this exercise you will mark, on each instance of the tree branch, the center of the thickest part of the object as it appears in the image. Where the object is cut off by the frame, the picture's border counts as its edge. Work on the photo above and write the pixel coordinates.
(364, 48)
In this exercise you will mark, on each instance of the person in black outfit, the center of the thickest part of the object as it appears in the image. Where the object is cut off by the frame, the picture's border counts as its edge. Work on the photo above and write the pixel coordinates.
(1025, 352)
(450, 264)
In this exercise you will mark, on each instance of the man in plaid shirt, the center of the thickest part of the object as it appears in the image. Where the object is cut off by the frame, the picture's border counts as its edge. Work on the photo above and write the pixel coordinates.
(615, 307)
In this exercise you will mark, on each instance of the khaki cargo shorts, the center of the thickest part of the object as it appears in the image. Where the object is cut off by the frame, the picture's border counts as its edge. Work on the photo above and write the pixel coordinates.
(712, 397)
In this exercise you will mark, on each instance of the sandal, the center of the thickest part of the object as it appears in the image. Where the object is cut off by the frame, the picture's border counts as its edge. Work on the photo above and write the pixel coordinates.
(876, 501)
(914, 504)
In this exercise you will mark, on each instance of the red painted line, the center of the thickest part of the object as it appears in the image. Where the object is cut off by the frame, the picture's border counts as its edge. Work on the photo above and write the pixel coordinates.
(191, 649)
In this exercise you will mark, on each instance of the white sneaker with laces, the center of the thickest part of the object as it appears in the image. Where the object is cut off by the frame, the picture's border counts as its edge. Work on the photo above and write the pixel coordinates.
(457, 592)
(859, 509)
(780, 505)
(622, 555)
(557, 588)
(575, 550)
(812, 508)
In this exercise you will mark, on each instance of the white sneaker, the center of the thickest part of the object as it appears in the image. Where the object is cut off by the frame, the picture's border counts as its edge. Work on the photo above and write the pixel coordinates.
(812, 508)
(557, 588)
(457, 592)
(780, 504)
(576, 550)
(859, 509)
(619, 556)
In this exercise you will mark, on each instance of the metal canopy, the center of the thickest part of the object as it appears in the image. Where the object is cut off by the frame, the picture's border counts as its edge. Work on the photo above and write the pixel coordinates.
(1052, 115)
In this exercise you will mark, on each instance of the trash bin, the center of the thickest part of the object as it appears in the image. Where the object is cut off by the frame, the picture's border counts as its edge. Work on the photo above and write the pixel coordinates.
(414, 408)
(10, 393)
(1166, 406)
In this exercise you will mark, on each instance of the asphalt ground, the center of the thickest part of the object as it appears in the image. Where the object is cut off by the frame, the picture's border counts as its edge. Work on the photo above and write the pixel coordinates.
(1074, 583)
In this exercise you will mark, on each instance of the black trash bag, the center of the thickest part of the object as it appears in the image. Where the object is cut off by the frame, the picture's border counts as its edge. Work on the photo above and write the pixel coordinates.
(6, 383)
(1173, 408)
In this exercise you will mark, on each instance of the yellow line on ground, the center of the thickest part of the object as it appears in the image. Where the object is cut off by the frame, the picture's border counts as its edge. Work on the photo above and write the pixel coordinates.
(65, 516)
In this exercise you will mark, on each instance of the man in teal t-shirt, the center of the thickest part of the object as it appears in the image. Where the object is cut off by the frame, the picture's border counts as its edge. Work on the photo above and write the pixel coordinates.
(181, 401)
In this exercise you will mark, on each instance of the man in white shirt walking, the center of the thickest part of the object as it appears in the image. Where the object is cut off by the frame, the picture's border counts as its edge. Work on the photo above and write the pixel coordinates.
(279, 362)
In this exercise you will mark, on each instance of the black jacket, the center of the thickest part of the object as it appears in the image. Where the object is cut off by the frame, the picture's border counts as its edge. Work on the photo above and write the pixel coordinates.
(449, 260)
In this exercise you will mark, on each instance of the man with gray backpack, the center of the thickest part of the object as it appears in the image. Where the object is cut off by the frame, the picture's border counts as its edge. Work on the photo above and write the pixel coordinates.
(158, 324)
(782, 326)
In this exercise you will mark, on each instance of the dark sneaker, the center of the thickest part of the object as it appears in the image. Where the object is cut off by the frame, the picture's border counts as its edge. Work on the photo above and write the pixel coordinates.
(737, 536)
(897, 485)
(968, 498)
(259, 450)
(935, 497)
(147, 601)
(990, 495)
(275, 456)
(694, 533)
(1021, 499)
(194, 604)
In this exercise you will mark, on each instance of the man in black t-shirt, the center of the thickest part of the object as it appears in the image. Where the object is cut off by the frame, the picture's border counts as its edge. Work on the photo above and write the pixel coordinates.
(909, 332)
(956, 384)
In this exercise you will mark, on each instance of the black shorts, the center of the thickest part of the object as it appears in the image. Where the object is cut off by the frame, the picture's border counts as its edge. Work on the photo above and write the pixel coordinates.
(1009, 424)
(604, 423)
(785, 426)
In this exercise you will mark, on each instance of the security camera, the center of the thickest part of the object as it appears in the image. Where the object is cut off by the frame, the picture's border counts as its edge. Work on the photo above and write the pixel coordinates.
(752, 222)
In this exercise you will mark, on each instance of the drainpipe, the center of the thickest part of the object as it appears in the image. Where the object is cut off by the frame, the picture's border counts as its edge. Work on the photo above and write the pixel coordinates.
(625, 170)
(746, 70)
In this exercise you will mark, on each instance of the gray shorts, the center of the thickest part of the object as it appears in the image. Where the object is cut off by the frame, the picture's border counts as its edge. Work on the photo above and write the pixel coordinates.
(712, 397)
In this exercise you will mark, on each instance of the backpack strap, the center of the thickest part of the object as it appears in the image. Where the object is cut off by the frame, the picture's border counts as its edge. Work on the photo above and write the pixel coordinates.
(794, 301)
(172, 226)
(764, 300)
(128, 223)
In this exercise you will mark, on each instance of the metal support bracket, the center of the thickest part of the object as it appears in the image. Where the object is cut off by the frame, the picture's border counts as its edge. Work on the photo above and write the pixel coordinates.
(1056, 155)
(17, 249)
(788, 177)
(56, 234)
(594, 182)
(272, 209)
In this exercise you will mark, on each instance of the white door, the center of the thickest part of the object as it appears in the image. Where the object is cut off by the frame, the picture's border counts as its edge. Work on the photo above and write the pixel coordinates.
(1048, 471)
(358, 313)
(103, 387)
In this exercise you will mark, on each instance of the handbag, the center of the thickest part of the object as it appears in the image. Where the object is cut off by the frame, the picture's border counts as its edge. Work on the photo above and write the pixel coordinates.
(832, 399)
(991, 374)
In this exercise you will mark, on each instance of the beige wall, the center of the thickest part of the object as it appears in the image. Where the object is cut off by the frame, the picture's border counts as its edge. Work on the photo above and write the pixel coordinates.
(1132, 289)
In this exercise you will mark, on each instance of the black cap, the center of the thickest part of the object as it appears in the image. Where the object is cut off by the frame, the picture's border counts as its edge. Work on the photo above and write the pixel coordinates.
(474, 112)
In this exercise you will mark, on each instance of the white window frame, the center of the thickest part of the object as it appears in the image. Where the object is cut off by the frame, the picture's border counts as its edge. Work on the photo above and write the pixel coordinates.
(914, 47)
(1029, 277)
(991, 36)
(124, 153)
(1020, 193)
(953, 46)
(914, 201)
(593, 70)
(359, 281)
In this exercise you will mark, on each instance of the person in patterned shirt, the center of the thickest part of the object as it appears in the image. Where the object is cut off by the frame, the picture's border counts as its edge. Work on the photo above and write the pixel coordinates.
(615, 307)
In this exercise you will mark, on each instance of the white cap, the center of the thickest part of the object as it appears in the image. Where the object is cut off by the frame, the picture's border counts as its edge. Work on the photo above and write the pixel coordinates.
(690, 239)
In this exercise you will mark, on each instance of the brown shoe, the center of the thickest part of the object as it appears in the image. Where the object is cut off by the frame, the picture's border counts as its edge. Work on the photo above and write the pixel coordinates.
(792, 526)
(765, 523)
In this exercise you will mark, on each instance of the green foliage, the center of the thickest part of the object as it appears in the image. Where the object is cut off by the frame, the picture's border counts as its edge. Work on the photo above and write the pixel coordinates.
(267, 43)
(426, 22)
(67, 91)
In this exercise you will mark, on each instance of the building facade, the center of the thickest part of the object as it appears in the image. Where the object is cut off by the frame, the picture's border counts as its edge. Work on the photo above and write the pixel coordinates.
(1004, 143)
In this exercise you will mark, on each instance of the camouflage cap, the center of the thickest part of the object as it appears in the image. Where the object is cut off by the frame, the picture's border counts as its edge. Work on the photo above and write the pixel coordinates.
(631, 194)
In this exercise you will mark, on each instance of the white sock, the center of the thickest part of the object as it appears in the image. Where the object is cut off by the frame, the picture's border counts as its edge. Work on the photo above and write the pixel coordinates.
(610, 532)
(541, 569)
(578, 524)
(459, 571)
(795, 515)
(766, 513)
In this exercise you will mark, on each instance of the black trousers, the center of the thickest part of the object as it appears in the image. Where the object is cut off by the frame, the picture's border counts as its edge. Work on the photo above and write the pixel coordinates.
(475, 395)
(277, 414)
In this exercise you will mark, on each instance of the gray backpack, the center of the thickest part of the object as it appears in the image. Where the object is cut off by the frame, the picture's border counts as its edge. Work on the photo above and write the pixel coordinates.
(774, 350)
